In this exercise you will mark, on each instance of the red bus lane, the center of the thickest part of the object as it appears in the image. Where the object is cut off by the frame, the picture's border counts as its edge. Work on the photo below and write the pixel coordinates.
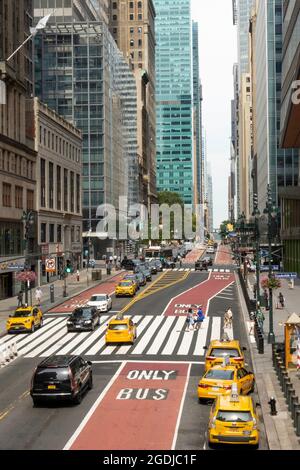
(140, 410)
(79, 300)
(199, 295)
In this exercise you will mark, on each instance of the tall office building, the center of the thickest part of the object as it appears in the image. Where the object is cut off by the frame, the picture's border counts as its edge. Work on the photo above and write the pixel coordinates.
(241, 17)
(198, 98)
(290, 118)
(83, 76)
(17, 153)
(132, 26)
(174, 98)
(235, 206)
(275, 166)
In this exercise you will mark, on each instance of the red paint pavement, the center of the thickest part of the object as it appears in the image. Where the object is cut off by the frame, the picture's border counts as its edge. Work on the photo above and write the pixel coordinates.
(193, 256)
(224, 255)
(137, 424)
(81, 299)
(201, 294)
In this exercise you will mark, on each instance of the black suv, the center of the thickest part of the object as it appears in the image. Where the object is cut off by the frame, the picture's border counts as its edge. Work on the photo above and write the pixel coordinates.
(61, 378)
(83, 318)
(201, 265)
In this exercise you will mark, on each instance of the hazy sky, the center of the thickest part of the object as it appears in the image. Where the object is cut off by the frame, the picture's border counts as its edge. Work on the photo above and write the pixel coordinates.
(218, 52)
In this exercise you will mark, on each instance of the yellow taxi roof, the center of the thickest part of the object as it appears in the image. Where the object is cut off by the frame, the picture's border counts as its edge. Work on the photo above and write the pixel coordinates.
(225, 344)
(119, 321)
(244, 403)
(24, 308)
(221, 367)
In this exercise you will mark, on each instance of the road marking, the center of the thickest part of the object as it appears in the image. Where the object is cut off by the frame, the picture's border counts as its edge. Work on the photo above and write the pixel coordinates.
(174, 337)
(94, 407)
(96, 334)
(161, 336)
(121, 361)
(201, 339)
(58, 345)
(216, 329)
(43, 333)
(45, 344)
(181, 408)
(186, 343)
(20, 337)
(143, 343)
(125, 349)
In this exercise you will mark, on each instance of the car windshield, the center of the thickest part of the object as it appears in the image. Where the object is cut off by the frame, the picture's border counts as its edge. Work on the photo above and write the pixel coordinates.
(118, 327)
(220, 374)
(82, 312)
(222, 352)
(125, 284)
(130, 277)
(98, 298)
(22, 313)
(234, 416)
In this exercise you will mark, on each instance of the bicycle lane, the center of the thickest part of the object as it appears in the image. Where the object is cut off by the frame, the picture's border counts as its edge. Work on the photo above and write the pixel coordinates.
(199, 295)
(139, 409)
(107, 287)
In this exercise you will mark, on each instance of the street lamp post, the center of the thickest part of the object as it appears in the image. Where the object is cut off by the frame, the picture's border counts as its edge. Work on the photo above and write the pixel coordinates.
(256, 215)
(271, 211)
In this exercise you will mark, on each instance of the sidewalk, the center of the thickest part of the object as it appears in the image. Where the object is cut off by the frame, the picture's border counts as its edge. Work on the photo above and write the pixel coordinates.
(279, 429)
(73, 288)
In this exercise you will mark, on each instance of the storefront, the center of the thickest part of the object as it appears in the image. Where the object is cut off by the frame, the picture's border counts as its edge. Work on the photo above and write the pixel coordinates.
(9, 286)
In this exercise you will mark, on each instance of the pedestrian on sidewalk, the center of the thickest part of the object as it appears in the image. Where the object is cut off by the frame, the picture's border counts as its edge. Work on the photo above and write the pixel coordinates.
(77, 275)
(260, 318)
(38, 295)
(281, 300)
(20, 298)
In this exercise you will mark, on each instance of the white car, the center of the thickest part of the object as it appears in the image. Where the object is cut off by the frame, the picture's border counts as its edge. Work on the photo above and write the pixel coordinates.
(210, 251)
(102, 302)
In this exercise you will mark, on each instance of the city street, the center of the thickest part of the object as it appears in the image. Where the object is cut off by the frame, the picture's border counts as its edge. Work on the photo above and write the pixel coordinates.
(145, 395)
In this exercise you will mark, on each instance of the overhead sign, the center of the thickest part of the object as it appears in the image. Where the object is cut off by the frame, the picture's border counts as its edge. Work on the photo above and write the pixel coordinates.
(50, 265)
(12, 266)
(286, 275)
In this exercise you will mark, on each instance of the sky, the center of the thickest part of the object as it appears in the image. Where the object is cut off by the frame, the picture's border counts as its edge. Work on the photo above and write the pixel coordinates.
(218, 53)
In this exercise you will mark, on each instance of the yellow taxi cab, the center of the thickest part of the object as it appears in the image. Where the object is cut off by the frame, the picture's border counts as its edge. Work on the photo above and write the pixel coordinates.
(233, 420)
(217, 350)
(120, 330)
(125, 287)
(24, 319)
(218, 380)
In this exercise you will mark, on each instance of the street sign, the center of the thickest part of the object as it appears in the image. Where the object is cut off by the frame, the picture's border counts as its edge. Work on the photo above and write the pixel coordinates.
(50, 265)
(266, 268)
(287, 275)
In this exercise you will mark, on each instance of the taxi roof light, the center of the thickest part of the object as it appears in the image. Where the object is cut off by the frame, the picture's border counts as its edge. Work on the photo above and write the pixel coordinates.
(120, 316)
(234, 396)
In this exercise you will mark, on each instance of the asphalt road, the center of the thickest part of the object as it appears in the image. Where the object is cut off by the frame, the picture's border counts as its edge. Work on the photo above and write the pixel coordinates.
(161, 346)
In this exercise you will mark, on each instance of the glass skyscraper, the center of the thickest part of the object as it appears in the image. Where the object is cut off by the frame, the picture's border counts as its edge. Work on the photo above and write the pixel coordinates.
(174, 98)
(81, 74)
(197, 94)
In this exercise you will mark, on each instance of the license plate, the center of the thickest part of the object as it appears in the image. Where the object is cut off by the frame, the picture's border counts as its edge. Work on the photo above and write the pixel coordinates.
(51, 387)
(77, 326)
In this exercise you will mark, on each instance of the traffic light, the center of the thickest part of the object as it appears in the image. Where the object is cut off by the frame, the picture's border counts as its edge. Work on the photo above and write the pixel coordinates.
(68, 268)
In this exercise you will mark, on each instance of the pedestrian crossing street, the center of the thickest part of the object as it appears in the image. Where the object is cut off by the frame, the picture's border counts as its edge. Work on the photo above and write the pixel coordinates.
(156, 336)
(192, 270)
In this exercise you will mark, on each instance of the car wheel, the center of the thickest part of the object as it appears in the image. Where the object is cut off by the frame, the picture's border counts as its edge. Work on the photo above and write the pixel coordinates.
(36, 402)
(32, 328)
(78, 398)
(90, 382)
(201, 401)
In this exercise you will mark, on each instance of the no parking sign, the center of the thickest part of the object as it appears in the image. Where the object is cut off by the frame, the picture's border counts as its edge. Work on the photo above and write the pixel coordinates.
(50, 265)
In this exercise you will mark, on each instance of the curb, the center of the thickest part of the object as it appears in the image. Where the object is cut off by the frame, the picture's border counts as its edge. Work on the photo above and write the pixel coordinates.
(259, 387)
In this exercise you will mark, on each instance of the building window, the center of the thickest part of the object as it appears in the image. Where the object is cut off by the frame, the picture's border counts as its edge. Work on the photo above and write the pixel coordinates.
(131, 30)
(6, 195)
(78, 195)
(140, 30)
(43, 183)
(30, 199)
(66, 193)
(51, 233)
(58, 188)
(131, 5)
(140, 5)
(72, 190)
(140, 17)
(131, 43)
(72, 234)
(115, 17)
(43, 233)
(19, 197)
(78, 235)
(131, 17)
(115, 5)
(140, 43)
(51, 184)
(140, 55)
(58, 239)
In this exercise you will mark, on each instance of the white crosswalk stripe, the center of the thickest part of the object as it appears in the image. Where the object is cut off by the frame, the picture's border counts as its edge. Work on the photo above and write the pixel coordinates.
(20, 337)
(156, 335)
